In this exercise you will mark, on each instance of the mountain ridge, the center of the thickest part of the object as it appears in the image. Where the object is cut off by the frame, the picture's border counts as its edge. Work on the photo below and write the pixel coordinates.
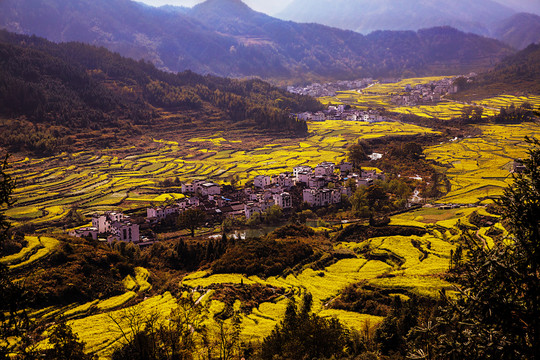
(245, 43)
(365, 16)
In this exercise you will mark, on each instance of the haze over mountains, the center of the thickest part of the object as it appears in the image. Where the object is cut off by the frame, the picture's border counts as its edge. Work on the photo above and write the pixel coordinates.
(226, 37)
(483, 17)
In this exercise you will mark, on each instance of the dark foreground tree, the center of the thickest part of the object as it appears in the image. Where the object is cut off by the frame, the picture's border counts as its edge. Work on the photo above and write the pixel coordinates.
(65, 344)
(6, 187)
(191, 219)
(304, 335)
(497, 312)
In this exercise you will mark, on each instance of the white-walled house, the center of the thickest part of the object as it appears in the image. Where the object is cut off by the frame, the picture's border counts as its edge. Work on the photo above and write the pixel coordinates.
(303, 177)
(117, 225)
(321, 197)
(283, 200)
(301, 169)
(250, 209)
(364, 181)
(85, 232)
(283, 180)
(325, 169)
(124, 231)
(161, 212)
(262, 181)
(317, 182)
(210, 188)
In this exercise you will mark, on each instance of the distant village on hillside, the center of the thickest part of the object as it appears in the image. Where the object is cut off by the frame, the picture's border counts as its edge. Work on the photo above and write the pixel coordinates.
(324, 185)
(330, 88)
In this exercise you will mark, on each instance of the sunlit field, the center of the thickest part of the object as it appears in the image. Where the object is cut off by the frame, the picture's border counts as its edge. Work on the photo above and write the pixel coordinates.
(380, 95)
(479, 167)
(409, 265)
(48, 188)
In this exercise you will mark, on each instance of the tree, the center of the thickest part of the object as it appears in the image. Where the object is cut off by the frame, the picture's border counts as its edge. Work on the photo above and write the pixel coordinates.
(191, 219)
(303, 335)
(356, 154)
(66, 344)
(6, 188)
(497, 312)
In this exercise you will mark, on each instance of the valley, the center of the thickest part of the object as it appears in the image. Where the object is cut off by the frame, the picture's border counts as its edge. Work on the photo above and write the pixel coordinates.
(211, 182)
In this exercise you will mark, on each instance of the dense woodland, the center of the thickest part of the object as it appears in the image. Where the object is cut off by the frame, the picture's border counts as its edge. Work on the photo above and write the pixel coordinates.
(54, 91)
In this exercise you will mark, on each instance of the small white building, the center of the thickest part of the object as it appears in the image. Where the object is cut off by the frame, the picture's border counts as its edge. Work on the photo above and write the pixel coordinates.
(321, 197)
(117, 225)
(210, 188)
(301, 169)
(250, 209)
(262, 181)
(283, 200)
(283, 180)
(124, 231)
(318, 116)
(317, 182)
(85, 232)
(364, 181)
(325, 169)
(303, 177)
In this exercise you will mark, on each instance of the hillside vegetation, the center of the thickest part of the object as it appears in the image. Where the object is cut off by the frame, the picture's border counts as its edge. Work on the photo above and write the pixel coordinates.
(55, 94)
(517, 74)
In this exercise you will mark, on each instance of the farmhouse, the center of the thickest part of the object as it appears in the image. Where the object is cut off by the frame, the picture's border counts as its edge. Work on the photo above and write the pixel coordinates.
(262, 181)
(283, 200)
(116, 225)
(321, 197)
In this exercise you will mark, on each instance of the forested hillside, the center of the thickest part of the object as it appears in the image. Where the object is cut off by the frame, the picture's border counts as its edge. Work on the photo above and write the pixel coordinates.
(227, 38)
(517, 74)
(52, 94)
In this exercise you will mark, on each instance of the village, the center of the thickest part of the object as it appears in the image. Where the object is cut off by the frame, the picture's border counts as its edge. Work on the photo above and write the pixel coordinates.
(331, 88)
(342, 112)
(322, 186)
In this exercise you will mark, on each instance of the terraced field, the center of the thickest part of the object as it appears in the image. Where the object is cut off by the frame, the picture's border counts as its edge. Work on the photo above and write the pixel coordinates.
(48, 188)
(380, 95)
(479, 167)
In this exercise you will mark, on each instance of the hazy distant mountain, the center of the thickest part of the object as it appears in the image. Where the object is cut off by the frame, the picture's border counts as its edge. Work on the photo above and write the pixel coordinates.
(226, 37)
(530, 6)
(367, 15)
(519, 31)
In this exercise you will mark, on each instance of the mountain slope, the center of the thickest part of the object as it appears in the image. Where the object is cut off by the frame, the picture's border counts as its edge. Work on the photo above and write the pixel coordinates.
(519, 30)
(517, 74)
(226, 37)
(366, 15)
(53, 94)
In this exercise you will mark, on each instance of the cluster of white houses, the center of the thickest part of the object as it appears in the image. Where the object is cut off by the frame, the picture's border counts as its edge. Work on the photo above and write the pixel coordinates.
(113, 226)
(329, 89)
(270, 191)
(342, 112)
(320, 186)
(425, 93)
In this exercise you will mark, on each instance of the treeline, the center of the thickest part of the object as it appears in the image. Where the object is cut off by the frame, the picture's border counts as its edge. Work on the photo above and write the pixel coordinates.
(79, 87)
